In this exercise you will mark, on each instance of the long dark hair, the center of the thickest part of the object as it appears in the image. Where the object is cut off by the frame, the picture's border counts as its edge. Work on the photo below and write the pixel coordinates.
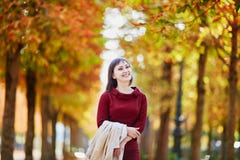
(112, 83)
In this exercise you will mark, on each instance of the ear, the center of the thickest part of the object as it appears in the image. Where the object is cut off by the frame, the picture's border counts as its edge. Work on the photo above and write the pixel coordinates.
(113, 76)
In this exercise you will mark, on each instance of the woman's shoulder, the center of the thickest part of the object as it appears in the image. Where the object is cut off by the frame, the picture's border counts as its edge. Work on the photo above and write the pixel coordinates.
(138, 90)
(142, 96)
(104, 97)
(105, 94)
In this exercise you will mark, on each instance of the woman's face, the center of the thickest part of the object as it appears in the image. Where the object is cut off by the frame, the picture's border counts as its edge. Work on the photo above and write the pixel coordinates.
(122, 72)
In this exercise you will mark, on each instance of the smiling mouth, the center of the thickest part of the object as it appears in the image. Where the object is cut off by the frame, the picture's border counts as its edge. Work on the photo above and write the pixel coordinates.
(126, 75)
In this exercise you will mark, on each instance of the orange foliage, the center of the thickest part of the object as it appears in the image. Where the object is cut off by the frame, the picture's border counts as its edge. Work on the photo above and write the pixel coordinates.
(83, 21)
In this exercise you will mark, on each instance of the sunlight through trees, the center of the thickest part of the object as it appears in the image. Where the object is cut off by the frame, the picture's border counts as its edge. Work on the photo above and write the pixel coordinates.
(53, 61)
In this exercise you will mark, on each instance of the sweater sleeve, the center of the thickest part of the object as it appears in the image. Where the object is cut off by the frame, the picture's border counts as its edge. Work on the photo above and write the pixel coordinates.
(142, 115)
(103, 109)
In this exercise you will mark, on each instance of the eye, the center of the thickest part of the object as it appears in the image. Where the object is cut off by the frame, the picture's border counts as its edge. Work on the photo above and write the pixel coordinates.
(120, 68)
(128, 66)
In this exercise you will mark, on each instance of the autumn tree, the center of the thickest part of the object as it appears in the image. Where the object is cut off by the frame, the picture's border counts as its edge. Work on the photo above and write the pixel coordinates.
(64, 68)
(196, 133)
(197, 15)
(200, 33)
(51, 34)
(12, 30)
(232, 78)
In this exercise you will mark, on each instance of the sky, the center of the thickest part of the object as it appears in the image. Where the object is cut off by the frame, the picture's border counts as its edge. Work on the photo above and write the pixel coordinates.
(118, 25)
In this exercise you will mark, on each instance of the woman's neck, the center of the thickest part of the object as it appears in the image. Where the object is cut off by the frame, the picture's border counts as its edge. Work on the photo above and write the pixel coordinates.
(124, 88)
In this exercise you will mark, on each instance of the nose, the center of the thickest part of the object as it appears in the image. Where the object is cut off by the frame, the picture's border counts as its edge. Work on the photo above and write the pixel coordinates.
(125, 70)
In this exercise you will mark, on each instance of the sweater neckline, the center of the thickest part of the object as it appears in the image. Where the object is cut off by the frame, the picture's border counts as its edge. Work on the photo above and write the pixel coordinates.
(133, 94)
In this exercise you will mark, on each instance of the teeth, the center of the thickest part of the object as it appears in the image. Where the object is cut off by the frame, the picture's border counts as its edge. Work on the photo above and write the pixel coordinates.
(126, 75)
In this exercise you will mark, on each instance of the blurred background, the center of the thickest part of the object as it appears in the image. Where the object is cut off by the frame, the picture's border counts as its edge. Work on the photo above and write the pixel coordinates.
(186, 59)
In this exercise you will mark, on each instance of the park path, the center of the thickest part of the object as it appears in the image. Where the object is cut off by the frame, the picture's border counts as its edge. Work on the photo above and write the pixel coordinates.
(20, 155)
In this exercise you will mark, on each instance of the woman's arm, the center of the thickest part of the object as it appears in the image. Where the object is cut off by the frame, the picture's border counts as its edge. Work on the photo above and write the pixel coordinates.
(103, 109)
(136, 130)
(140, 123)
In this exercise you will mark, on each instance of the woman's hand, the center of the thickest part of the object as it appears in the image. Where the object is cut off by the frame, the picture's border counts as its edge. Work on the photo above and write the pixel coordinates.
(133, 132)
(117, 151)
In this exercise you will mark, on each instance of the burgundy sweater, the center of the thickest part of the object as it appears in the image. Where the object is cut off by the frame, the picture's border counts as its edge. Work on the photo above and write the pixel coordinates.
(129, 109)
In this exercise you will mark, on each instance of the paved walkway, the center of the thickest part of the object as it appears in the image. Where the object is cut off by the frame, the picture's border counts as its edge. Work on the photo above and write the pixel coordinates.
(20, 155)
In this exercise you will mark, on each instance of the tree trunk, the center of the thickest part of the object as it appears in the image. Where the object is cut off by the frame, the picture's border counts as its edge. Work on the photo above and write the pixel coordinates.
(232, 80)
(162, 138)
(238, 153)
(145, 142)
(74, 133)
(224, 140)
(46, 139)
(67, 137)
(31, 96)
(12, 67)
(209, 149)
(196, 134)
(54, 122)
(162, 142)
(44, 105)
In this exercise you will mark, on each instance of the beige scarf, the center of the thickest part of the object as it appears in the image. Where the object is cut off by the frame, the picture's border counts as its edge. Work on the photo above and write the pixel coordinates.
(108, 136)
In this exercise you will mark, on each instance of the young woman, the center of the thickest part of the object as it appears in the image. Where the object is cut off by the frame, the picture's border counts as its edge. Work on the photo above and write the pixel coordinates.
(124, 104)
